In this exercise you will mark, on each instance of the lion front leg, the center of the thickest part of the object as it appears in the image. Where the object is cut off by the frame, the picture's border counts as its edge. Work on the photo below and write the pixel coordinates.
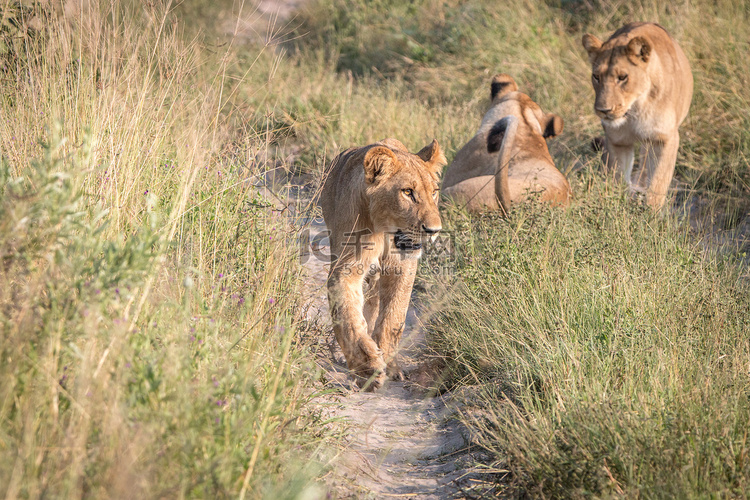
(346, 301)
(396, 282)
(660, 162)
(619, 160)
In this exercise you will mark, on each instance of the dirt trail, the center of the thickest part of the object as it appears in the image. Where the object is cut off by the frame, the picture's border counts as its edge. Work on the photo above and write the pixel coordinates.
(262, 21)
(404, 443)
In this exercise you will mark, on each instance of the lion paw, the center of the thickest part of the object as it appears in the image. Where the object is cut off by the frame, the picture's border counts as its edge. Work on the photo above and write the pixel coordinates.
(368, 368)
(370, 380)
(394, 372)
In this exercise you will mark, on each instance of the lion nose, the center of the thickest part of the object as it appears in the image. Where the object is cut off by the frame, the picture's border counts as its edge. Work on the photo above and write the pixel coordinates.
(431, 230)
(603, 110)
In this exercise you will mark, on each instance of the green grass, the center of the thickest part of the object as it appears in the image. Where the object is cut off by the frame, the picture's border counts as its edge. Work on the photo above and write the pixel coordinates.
(609, 347)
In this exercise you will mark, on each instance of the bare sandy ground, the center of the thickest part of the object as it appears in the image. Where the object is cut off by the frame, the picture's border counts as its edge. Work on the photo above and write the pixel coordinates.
(264, 20)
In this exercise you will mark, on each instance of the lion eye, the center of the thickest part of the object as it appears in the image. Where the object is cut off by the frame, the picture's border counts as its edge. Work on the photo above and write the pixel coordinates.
(596, 78)
(622, 78)
(435, 193)
(409, 193)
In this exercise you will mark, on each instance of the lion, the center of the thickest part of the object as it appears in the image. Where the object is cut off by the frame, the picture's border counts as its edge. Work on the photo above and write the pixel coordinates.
(507, 160)
(643, 86)
(380, 206)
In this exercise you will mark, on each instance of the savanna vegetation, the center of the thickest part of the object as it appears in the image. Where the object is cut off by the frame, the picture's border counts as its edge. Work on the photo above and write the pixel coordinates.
(151, 298)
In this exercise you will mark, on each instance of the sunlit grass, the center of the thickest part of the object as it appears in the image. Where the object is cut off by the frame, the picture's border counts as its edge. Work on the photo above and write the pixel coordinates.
(150, 296)
(440, 57)
(609, 348)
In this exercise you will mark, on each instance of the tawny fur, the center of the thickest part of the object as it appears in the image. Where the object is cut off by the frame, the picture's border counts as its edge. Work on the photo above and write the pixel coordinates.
(521, 168)
(643, 86)
(376, 191)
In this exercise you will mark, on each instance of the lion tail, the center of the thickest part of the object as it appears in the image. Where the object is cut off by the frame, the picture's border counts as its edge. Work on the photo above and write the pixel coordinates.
(501, 138)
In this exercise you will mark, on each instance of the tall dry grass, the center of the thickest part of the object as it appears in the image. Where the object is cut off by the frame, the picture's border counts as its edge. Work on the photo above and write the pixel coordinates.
(150, 295)
(607, 349)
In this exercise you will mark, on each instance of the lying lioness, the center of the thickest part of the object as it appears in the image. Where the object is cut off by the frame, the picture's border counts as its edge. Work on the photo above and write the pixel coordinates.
(380, 205)
(507, 160)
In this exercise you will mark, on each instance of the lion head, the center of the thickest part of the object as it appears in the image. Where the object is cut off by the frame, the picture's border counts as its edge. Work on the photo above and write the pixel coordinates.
(618, 73)
(402, 189)
(534, 122)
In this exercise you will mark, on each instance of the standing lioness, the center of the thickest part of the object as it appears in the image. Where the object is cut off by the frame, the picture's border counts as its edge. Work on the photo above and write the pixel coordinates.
(380, 205)
(643, 87)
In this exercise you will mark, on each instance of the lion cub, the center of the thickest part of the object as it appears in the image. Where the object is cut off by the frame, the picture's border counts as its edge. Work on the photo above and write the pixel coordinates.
(507, 160)
(380, 205)
(643, 86)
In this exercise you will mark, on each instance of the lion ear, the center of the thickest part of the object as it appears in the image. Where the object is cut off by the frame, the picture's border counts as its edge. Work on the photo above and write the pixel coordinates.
(592, 45)
(502, 84)
(380, 162)
(552, 124)
(432, 156)
(639, 48)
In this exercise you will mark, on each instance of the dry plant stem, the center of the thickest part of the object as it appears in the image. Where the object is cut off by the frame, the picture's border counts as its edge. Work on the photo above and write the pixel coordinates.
(264, 423)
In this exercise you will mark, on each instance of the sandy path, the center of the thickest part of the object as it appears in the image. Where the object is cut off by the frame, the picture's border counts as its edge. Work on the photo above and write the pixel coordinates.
(264, 21)
(404, 443)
